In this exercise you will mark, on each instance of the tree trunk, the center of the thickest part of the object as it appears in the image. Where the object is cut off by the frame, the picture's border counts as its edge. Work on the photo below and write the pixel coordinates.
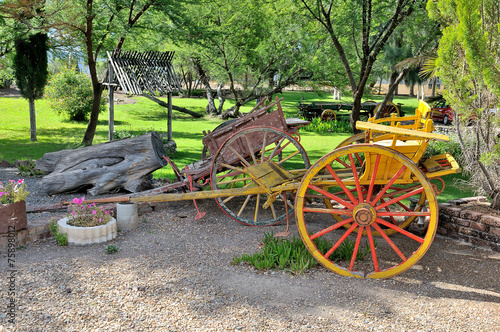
(88, 137)
(221, 97)
(412, 88)
(103, 168)
(189, 83)
(211, 109)
(392, 82)
(390, 93)
(434, 82)
(32, 120)
(232, 112)
(356, 108)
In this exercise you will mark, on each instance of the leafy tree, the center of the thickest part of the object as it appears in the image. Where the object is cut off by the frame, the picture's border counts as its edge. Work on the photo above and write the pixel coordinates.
(256, 47)
(468, 63)
(104, 25)
(363, 26)
(30, 67)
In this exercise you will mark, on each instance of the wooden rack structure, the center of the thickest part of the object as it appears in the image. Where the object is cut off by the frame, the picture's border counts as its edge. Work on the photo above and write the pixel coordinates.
(142, 74)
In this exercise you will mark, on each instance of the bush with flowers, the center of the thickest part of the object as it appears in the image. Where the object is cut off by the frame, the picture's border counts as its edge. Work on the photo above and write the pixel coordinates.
(87, 215)
(13, 191)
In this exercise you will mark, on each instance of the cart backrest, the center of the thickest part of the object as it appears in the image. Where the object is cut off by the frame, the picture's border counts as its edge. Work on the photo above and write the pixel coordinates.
(259, 116)
(412, 146)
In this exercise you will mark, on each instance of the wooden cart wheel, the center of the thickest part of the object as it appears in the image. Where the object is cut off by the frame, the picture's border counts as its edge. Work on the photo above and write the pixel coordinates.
(390, 108)
(328, 115)
(362, 202)
(417, 203)
(268, 145)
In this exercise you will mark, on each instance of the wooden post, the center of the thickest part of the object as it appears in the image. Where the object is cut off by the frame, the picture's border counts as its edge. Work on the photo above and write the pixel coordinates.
(111, 103)
(169, 123)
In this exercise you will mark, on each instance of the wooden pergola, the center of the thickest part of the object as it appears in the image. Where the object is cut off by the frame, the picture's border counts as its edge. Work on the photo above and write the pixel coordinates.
(142, 74)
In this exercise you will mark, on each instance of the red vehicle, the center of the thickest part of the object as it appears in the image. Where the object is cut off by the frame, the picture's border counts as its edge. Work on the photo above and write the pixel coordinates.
(442, 112)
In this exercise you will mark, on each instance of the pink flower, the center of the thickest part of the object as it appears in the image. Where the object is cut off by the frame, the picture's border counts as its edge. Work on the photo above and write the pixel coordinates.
(94, 212)
(20, 181)
(107, 212)
(73, 213)
(83, 198)
(1, 193)
(77, 201)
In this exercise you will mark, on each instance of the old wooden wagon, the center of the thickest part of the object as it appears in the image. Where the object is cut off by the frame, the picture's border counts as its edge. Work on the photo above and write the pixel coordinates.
(335, 111)
(369, 189)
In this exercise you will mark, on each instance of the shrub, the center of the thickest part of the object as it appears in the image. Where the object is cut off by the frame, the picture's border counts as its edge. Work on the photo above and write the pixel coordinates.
(61, 238)
(292, 255)
(70, 93)
(335, 126)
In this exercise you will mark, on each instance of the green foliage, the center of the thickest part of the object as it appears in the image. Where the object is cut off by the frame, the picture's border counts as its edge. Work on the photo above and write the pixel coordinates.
(28, 168)
(291, 255)
(30, 65)
(468, 58)
(13, 191)
(334, 126)
(437, 147)
(111, 249)
(61, 238)
(70, 93)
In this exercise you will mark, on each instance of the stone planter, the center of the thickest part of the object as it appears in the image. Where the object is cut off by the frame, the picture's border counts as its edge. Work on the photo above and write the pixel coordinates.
(13, 216)
(88, 235)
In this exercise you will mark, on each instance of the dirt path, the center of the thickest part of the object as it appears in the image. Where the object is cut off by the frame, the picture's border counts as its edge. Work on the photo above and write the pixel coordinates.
(173, 274)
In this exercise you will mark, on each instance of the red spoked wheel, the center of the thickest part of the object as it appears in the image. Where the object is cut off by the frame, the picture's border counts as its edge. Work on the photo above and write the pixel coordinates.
(247, 150)
(417, 203)
(368, 206)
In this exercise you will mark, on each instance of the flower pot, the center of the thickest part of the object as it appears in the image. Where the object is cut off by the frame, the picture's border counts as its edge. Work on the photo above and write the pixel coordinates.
(13, 217)
(126, 216)
(88, 235)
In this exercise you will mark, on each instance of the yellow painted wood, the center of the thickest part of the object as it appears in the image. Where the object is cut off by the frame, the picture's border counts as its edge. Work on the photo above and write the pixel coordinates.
(400, 131)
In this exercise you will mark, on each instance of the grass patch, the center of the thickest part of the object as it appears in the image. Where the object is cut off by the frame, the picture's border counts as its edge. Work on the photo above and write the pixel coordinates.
(291, 254)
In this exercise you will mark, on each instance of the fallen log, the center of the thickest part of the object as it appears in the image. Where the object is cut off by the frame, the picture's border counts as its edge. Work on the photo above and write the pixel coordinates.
(104, 168)
(177, 108)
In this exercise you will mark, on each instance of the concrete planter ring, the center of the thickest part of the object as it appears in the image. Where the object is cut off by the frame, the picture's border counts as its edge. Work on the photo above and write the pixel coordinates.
(88, 235)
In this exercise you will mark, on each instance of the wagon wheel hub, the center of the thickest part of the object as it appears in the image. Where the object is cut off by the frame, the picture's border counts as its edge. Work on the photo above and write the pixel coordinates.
(364, 214)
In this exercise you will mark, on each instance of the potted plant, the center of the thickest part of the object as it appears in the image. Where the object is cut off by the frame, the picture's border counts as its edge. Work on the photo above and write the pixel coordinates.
(87, 223)
(13, 205)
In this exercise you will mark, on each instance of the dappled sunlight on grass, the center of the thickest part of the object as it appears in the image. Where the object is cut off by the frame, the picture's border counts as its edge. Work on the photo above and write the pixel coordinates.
(55, 133)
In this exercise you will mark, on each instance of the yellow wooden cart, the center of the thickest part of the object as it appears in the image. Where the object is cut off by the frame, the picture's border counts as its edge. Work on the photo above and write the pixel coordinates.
(369, 189)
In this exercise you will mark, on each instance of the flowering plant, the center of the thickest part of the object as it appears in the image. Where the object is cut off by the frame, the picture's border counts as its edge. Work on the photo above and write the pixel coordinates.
(87, 215)
(13, 191)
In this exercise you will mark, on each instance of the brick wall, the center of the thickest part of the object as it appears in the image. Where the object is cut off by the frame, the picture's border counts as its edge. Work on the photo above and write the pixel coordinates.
(460, 221)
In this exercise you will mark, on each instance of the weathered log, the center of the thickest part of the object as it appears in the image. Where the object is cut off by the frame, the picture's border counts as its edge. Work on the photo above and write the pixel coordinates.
(103, 168)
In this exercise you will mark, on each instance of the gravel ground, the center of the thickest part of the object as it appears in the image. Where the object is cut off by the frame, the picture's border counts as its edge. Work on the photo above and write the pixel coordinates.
(173, 273)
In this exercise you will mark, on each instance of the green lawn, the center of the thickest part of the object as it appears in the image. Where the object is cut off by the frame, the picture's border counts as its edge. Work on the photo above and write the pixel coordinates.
(54, 133)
